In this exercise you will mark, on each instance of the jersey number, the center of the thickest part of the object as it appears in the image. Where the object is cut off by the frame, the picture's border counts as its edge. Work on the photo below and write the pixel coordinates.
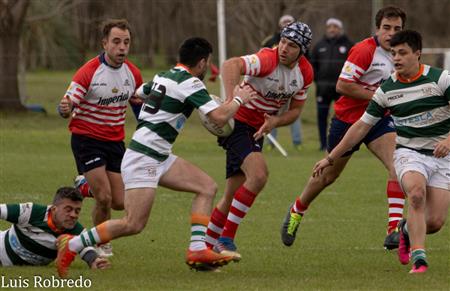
(154, 100)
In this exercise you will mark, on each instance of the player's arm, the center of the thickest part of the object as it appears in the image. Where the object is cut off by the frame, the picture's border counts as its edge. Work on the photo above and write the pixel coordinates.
(16, 212)
(354, 135)
(93, 260)
(287, 117)
(232, 70)
(442, 148)
(353, 90)
(224, 112)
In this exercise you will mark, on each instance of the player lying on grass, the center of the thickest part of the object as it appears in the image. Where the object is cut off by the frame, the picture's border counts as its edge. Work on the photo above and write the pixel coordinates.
(149, 162)
(31, 239)
(418, 98)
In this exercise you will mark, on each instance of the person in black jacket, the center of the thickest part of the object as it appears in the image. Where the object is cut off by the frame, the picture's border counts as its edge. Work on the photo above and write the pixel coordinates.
(327, 58)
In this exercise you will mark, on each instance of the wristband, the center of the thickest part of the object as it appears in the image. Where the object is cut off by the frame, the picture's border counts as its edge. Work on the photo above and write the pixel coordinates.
(330, 160)
(238, 100)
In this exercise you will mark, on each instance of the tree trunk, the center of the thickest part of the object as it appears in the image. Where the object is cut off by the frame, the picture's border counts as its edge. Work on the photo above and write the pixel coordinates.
(12, 15)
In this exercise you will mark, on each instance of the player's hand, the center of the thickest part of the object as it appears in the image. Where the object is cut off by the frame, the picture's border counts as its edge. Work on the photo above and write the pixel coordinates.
(134, 100)
(65, 107)
(320, 166)
(100, 263)
(268, 125)
(246, 93)
(442, 148)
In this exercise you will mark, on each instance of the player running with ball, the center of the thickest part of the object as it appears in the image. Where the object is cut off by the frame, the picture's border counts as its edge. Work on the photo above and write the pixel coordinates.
(148, 162)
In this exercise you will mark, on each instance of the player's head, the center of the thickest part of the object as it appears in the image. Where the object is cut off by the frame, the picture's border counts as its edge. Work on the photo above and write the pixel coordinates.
(388, 21)
(295, 41)
(116, 39)
(66, 207)
(406, 48)
(334, 28)
(195, 53)
(285, 20)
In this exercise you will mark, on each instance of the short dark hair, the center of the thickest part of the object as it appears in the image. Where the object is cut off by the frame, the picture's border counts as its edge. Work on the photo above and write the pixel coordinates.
(388, 12)
(411, 37)
(69, 193)
(111, 23)
(193, 49)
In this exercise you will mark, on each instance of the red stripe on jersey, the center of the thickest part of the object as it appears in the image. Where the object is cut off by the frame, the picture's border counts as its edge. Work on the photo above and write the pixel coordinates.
(97, 131)
(110, 121)
(102, 112)
(81, 91)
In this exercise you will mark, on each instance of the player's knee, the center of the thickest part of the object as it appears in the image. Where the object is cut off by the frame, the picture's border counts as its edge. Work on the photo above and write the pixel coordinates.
(434, 224)
(117, 205)
(103, 200)
(416, 197)
(209, 188)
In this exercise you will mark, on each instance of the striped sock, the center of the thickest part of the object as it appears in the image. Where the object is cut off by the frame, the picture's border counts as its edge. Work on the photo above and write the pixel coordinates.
(242, 201)
(396, 201)
(418, 253)
(215, 227)
(93, 236)
(299, 207)
(198, 232)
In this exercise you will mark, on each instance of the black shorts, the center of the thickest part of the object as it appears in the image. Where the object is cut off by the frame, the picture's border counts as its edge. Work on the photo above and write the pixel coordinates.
(338, 129)
(239, 145)
(92, 153)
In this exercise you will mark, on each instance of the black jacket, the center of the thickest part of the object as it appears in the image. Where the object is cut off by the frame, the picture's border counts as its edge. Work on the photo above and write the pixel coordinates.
(327, 58)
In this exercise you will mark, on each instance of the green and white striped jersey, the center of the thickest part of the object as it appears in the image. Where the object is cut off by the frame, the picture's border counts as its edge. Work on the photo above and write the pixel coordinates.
(169, 101)
(31, 240)
(420, 109)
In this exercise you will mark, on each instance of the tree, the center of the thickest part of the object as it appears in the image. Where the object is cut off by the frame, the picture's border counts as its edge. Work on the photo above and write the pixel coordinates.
(12, 15)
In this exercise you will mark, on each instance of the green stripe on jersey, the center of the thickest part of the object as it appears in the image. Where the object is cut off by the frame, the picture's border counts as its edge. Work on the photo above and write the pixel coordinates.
(15, 259)
(33, 246)
(390, 85)
(437, 129)
(375, 109)
(176, 74)
(199, 98)
(140, 148)
(163, 129)
(13, 212)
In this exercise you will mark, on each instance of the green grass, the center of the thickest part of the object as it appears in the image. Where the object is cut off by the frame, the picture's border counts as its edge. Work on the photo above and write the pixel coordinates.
(340, 240)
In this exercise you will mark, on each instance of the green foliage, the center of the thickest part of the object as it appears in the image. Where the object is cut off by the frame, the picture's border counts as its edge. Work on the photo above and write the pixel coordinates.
(339, 243)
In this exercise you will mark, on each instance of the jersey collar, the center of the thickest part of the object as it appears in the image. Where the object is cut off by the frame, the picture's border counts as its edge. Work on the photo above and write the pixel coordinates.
(184, 67)
(414, 78)
(51, 224)
(103, 61)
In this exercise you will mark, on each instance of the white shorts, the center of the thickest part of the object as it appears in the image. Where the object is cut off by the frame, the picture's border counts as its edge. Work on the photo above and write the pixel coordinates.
(141, 171)
(435, 170)
(4, 259)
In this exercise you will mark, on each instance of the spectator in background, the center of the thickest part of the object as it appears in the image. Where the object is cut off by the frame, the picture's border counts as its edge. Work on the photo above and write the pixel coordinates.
(327, 58)
(270, 42)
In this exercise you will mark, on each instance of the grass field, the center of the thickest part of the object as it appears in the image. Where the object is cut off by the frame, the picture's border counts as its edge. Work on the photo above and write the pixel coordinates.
(340, 240)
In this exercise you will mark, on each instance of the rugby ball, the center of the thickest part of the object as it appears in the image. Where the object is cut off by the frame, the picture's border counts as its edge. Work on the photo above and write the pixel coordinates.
(212, 127)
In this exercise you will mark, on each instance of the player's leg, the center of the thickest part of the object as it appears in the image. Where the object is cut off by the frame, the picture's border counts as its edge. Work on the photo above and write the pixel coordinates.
(315, 185)
(438, 201)
(381, 142)
(186, 177)
(296, 133)
(138, 203)
(220, 212)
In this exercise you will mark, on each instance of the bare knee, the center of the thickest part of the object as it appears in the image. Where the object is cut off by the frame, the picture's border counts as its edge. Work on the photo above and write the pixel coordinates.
(257, 179)
(103, 200)
(117, 205)
(209, 188)
(434, 224)
(416, 197)
(132, 227)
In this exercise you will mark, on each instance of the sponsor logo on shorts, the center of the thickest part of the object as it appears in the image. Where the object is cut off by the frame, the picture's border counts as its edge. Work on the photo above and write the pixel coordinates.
(92, 161)
(151, 171)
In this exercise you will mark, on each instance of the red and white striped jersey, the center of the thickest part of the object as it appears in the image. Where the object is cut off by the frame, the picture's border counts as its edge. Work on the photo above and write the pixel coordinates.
(100, 96)
(367, 64)
(275, 83)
